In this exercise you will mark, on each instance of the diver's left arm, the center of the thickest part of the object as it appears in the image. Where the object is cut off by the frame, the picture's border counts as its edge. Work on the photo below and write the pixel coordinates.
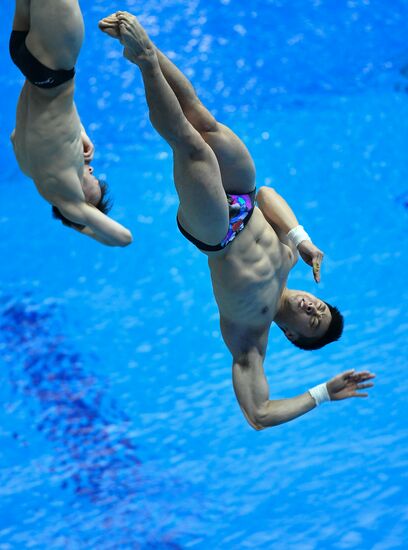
(281, 217)
(277, 212)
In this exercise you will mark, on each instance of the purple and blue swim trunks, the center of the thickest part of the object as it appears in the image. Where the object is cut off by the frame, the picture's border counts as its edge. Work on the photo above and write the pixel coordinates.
(241, 207)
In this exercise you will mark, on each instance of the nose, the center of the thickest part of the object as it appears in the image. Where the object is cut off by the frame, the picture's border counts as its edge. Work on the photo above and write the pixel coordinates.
(310, 308)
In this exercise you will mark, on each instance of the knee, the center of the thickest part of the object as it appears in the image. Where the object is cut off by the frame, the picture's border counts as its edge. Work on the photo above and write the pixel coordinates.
(190, 145)
(202, 120)
(195, 147)
(210, 126)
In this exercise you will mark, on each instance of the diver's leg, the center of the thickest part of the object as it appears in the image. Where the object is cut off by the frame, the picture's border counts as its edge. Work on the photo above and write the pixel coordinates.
(203, 205)
(56, 32)
(21, 20)
(236, 165)
(235, 162)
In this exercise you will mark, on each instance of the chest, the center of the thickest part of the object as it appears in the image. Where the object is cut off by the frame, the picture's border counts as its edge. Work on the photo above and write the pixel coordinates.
(47, 138)
(248, 283)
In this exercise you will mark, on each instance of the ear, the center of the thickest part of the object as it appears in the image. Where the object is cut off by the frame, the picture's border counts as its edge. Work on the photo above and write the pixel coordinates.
(292, 336)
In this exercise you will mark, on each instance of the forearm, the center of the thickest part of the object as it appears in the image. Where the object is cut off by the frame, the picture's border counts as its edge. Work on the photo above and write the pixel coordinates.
(276, 210)
(103, 239)
(279, 411)
(96, 224)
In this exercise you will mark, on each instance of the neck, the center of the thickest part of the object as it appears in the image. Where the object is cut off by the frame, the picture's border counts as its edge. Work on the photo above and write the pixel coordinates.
(283, 313)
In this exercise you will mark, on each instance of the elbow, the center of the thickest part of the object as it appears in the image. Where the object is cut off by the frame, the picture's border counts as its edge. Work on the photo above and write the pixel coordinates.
(264, 193)
(125, 239)
(255, 423)
(256, 420)
(262, 418)
(261, 193)
(264, 190)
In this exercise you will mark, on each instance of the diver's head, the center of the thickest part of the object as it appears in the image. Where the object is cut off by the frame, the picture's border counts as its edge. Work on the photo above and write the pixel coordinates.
(96, 193)
(308, 322)
(91, 186)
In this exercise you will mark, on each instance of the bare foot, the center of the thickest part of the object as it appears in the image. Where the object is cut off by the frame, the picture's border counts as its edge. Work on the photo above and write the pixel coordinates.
(138, 45)
(110, 26)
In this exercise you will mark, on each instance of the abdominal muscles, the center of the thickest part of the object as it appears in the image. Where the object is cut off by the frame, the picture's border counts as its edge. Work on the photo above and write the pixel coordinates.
(249, 276)
(47, 137)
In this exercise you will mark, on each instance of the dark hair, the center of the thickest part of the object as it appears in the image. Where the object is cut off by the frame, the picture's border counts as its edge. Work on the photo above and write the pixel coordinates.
(104, 205)
(332, 334)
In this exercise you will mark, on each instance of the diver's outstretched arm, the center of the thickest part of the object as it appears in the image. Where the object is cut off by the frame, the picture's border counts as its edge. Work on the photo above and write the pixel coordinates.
(252, 391)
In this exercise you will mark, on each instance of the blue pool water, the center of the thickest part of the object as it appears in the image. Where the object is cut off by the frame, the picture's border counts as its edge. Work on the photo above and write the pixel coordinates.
(119, 426)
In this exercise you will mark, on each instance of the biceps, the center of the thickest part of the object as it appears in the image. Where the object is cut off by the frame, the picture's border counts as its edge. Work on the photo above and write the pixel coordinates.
(73, 213)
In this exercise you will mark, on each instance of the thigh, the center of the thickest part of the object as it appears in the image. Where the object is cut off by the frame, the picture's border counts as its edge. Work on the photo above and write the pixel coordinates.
(236, 165)
(56, 32)
(203, 208)
(21, 20)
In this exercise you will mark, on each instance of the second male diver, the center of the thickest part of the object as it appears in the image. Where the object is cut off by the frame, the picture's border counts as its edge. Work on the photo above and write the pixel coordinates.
(50, 143)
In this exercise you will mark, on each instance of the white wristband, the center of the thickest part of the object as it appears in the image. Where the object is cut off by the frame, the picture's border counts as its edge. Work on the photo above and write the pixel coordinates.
(320, 394)
(297, 235)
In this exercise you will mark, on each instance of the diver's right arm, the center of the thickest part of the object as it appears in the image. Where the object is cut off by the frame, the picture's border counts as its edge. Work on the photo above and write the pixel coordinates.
(98, 226)
(252, 391)
(248, 349)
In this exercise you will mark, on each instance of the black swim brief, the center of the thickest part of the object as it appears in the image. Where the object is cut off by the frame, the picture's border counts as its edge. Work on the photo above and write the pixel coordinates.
(240, 207)
(34, 71)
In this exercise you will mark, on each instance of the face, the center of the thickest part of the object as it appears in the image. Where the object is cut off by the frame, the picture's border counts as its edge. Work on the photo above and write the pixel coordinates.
(310, 316)
(90, 186)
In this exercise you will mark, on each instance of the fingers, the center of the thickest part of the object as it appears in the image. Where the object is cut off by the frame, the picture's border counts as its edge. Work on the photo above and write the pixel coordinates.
(357, 390)
(356, 376)
(364, 386)
(346, 374)
(316, 271)
(361, 377)
(317, 261)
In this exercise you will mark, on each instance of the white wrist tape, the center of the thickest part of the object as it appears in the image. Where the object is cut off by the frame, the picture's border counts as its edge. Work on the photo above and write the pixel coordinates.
(297, 235)
(320, 394)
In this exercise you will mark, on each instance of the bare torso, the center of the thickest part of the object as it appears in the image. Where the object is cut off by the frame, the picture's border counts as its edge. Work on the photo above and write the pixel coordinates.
(47, 141)
(248, 278)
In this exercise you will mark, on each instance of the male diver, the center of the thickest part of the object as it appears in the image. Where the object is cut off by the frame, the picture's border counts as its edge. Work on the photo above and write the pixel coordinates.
(250, 249)
(50, 144)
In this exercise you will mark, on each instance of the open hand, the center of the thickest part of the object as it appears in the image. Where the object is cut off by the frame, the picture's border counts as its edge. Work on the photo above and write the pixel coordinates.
(348, 383)
(311, 255)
